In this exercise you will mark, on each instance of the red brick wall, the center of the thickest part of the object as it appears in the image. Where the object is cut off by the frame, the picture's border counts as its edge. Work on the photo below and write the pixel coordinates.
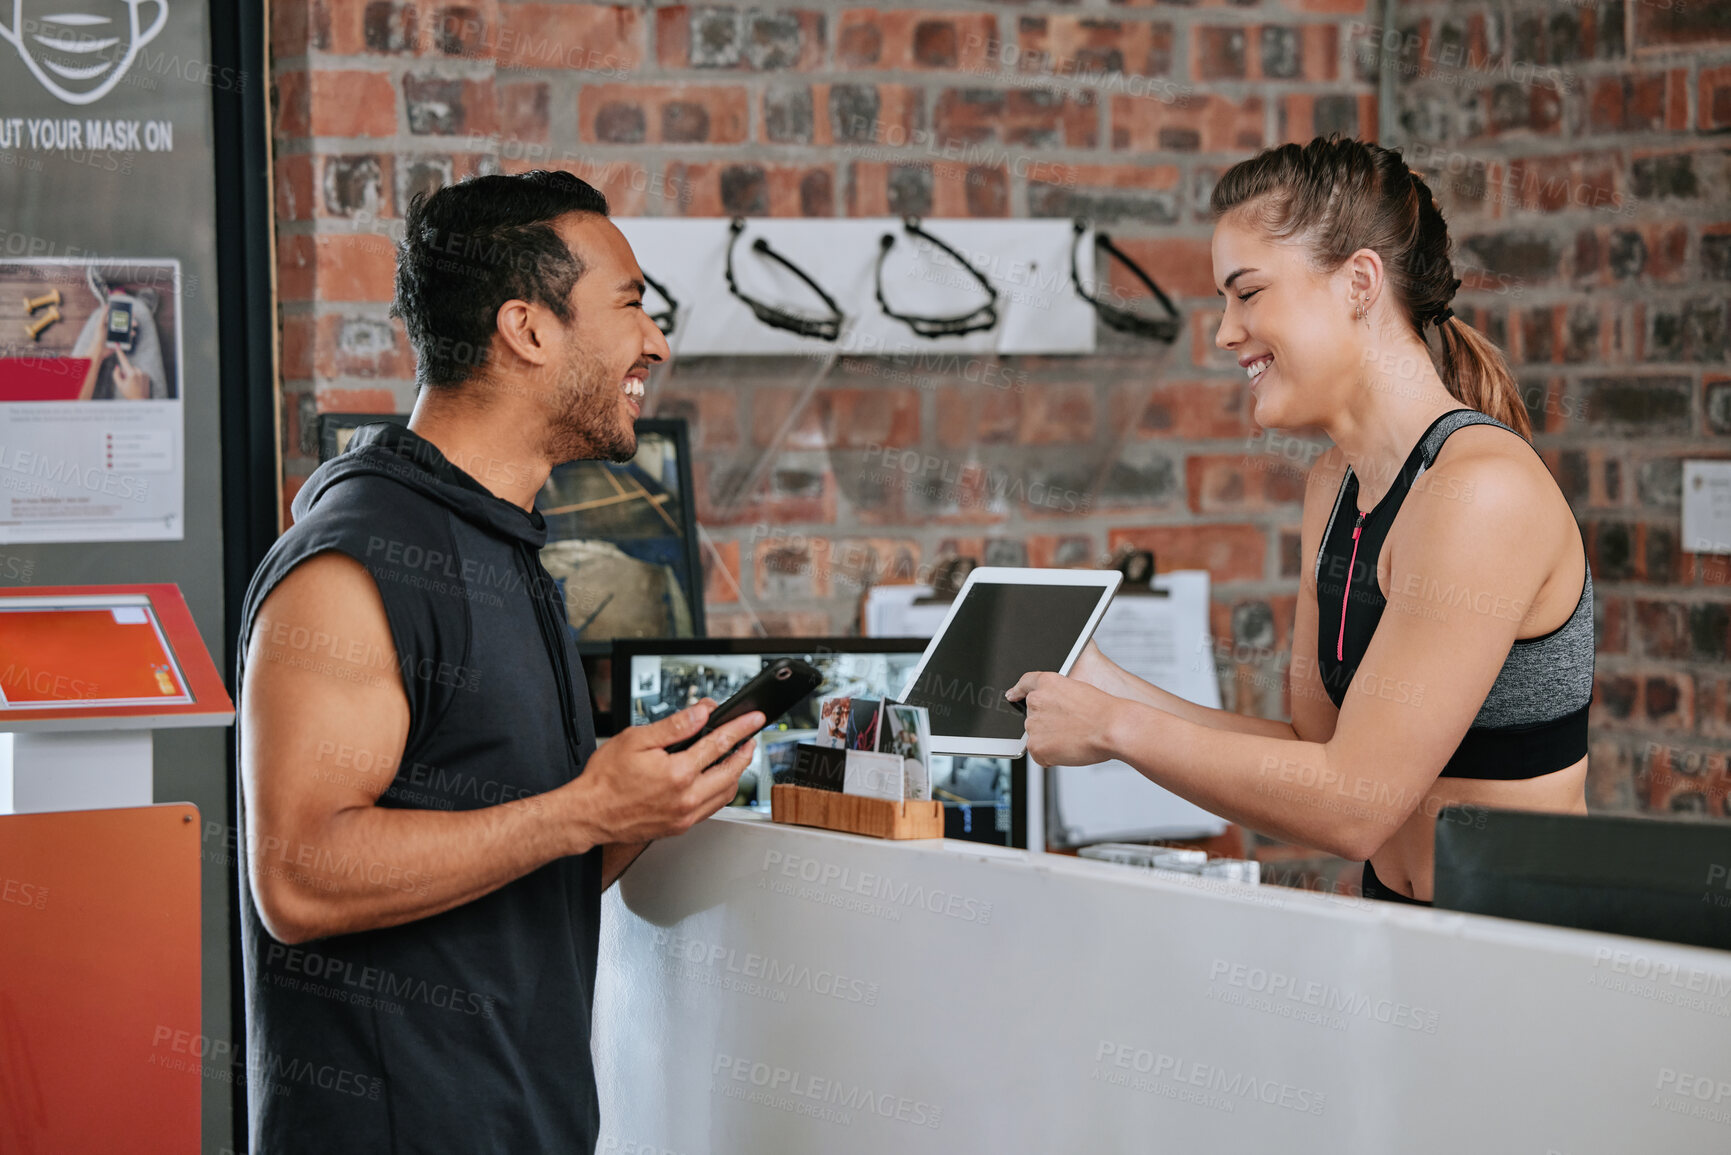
(1123, 113)
(1581, 155)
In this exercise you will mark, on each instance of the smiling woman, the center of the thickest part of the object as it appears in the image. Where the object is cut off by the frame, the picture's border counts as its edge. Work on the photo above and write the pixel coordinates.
(1328, 201)
(1334, 261)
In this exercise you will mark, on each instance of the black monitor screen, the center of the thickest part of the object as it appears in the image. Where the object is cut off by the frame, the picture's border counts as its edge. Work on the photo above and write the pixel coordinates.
(984, 798)
(1618, 874)
(662, 684)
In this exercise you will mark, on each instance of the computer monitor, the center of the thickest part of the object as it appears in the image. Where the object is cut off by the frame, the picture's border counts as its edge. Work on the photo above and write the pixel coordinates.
(985, 799)
(1659, 879)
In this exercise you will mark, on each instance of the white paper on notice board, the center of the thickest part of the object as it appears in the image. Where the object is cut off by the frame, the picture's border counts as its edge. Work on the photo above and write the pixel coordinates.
(892, 612)
(1707, 506)
(1163, 640)
(92, 445)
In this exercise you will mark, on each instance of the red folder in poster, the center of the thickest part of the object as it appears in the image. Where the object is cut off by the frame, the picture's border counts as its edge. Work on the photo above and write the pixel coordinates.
(42, 378)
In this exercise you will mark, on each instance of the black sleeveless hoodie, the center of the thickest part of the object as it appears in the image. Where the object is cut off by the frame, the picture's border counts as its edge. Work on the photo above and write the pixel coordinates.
(469, 1030)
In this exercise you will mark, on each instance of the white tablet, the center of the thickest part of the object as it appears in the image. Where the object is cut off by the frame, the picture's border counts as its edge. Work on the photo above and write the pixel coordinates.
(1004, 623)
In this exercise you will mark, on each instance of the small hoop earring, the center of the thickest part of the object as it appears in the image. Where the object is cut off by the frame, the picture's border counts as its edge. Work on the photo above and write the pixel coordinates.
(1358, 312)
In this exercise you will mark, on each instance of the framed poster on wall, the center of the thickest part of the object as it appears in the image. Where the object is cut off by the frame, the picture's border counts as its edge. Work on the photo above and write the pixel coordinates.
(621, 537)
(622, 541)
(90, 400)
(102, 126)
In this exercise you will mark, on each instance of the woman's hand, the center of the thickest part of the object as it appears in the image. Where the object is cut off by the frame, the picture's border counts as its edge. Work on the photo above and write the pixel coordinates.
(1066, 719)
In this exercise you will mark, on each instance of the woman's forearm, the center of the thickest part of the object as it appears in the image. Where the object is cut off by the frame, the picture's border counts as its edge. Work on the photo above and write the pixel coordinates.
(1120, 683)
(1288, 788)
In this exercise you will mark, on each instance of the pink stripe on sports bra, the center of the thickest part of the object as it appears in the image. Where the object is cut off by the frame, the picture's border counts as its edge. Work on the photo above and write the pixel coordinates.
(1340, 642)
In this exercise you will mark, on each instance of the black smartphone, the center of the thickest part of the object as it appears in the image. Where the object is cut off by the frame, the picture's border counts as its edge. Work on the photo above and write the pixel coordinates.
(778, 688)
(120, 324)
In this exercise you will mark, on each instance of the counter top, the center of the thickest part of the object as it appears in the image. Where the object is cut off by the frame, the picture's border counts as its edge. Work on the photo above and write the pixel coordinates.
(767, 987)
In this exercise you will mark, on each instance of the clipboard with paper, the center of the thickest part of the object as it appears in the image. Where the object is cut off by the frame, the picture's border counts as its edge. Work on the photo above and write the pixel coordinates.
(1163, 640)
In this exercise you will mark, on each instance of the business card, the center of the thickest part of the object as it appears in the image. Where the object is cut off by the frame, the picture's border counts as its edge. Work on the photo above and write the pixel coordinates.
(873, 775)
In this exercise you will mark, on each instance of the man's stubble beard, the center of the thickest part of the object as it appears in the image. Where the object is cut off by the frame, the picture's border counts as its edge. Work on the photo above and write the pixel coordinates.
(585, 423)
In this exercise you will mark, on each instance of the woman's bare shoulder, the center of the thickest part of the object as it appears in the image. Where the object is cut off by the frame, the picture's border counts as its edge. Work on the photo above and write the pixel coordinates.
(1485, 474)
(1489, 455)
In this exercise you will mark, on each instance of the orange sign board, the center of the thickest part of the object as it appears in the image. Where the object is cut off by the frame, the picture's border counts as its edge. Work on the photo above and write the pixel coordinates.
(101, 654)
(104, 656)
(100, 1030)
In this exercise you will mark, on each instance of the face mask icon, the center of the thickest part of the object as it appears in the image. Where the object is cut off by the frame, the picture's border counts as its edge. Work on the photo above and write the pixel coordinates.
(79, 49)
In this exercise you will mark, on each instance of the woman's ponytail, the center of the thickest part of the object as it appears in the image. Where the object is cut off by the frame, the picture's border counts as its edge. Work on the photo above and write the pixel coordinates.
(1474, 370)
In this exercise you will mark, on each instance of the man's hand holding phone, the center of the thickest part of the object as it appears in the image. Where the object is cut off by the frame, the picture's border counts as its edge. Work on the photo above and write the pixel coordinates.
(633, 790)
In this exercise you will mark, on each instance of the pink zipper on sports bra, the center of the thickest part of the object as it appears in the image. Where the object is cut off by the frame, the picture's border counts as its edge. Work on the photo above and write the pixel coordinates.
(1340, 642)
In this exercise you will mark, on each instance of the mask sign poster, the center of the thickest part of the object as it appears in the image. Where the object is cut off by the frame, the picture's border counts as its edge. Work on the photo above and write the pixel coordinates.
(104, 129)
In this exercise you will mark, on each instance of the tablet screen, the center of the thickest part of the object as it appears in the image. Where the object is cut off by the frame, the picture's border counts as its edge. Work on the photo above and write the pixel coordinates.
(999, 633)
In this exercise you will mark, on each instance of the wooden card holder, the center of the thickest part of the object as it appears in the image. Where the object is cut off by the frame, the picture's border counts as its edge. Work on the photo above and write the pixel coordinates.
(875, 817)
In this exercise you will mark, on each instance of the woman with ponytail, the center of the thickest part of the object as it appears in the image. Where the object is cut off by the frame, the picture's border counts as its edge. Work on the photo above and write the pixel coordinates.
(1442, 647)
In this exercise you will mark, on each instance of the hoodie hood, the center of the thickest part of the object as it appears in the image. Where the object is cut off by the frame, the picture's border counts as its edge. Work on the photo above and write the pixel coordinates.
(395, 452)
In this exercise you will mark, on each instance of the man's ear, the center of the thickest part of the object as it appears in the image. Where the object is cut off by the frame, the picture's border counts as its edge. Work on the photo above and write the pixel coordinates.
(524, 331)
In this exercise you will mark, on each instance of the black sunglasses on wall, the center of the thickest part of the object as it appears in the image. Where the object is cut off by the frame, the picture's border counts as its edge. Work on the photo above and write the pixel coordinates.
(1124, 320)
(984, 317)
(825, 328)
(668, 319)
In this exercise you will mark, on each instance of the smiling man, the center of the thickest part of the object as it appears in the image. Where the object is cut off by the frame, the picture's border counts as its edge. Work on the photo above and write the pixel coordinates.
(427, 824)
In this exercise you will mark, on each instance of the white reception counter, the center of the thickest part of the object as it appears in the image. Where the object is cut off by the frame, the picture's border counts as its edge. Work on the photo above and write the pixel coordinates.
(776, 989)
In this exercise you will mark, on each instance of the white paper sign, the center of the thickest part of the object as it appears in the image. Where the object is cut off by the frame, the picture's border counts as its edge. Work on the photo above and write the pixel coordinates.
(91, 423)
(1707, 506)
(873, 775)
(1163, 640)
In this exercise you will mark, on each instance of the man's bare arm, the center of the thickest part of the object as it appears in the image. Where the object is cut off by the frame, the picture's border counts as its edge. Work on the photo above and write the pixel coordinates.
(324, 859)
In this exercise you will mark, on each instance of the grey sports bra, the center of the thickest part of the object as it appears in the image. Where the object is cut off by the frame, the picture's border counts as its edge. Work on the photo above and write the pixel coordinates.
(1534, 719)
